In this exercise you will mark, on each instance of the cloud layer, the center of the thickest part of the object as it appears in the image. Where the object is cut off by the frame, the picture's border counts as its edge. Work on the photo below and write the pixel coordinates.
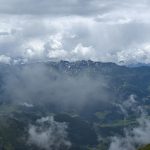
(99, 30)
(38, 84)
(134, 136)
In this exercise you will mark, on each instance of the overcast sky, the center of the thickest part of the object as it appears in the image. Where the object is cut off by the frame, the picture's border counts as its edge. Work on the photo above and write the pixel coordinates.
(101, 30)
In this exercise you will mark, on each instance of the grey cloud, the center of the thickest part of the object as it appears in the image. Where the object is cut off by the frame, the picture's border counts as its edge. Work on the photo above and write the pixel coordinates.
(110, 42)
(49, 134)
(134, 137)
(4, 33)
(129, 105)
(114, 30)
(65, 7)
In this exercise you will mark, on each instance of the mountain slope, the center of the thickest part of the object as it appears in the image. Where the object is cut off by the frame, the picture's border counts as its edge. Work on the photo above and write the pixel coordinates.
(89, 102)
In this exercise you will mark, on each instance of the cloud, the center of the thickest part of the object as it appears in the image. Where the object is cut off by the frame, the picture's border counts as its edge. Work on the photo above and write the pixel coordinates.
(27, 105)
(49, 134)
(80, 52)
(134, 137)
(134, 56)
(83, 52)
(40, 84)
(5, 59)
(52, 7)
(131, 105)
(109, 30)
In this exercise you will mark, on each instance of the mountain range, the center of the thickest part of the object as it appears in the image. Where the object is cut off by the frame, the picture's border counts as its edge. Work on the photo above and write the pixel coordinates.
(71, 105)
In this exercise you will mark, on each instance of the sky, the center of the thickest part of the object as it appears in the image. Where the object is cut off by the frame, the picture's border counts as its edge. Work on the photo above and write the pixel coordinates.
(108, 31)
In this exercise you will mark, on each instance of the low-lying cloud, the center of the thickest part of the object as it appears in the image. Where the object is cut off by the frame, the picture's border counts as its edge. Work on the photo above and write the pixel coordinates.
(134, 137)
(41, 83)
(49, 134)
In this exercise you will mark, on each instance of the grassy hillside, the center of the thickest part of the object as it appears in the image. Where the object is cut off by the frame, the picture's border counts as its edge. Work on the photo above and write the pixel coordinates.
(147, 147)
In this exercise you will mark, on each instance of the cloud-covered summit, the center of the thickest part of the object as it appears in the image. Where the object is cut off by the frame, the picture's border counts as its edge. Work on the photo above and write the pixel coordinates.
(100, 30)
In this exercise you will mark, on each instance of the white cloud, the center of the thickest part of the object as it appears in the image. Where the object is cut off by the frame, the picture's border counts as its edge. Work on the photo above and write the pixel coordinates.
(33, 49)
(52, 135)
(5, 59)
(107, 30)
(27, 105)
(141, 55)
(58, 54)
(55, 41)
(83, 52)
